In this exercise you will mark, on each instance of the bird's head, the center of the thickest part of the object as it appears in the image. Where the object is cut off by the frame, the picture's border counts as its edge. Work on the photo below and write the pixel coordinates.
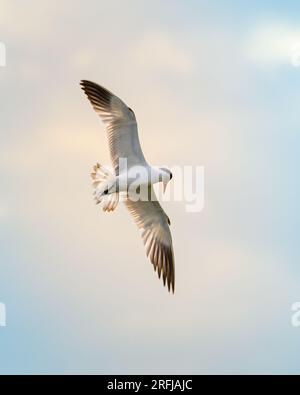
(165, 176)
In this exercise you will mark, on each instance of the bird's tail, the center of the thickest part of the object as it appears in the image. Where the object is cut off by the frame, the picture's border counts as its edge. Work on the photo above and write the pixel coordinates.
(103, 183)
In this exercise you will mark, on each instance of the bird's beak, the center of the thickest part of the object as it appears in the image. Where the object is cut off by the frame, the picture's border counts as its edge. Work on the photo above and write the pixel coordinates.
(165, 186)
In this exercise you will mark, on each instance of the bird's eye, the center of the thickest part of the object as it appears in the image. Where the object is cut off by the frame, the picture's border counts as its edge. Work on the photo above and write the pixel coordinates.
(171, 176)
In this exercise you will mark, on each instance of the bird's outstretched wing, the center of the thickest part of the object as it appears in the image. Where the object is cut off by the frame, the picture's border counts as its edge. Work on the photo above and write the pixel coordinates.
(120, 124)
(154, 224)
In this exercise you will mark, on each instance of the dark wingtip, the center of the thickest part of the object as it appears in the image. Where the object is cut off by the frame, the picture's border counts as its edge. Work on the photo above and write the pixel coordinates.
(97, 95)
(82, 83)
(85, 84)
(170, 286)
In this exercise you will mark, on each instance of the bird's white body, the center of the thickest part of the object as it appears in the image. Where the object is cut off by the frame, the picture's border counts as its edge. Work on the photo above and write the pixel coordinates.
(136, 182)
(139, 176)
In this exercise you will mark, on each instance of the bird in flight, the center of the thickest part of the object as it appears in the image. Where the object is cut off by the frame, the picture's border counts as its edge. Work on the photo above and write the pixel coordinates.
(132, 177)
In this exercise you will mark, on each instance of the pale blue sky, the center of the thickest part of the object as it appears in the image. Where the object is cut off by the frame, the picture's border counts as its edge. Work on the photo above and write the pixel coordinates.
(214, 84)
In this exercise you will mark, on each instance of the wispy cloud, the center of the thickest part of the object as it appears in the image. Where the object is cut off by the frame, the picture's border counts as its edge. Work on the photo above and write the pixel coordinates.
(160, 51)
(274, 44)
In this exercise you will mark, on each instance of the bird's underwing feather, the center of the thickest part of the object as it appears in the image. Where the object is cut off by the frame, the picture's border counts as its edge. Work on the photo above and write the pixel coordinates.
(154, 224)
(120, 124)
